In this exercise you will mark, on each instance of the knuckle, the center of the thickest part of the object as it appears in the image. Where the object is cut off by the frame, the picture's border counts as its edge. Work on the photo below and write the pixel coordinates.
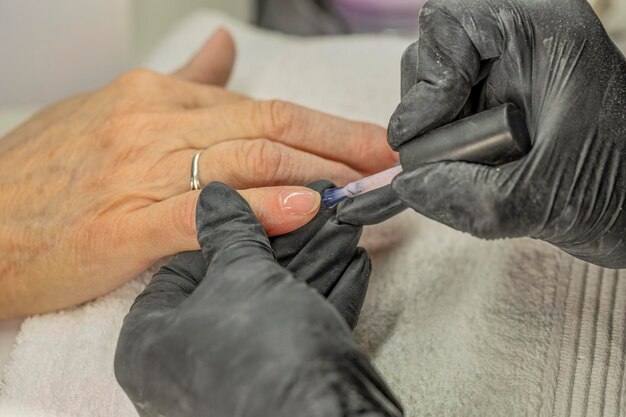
(139, 79)
(371, 139)
(262, 159)
(278, 117)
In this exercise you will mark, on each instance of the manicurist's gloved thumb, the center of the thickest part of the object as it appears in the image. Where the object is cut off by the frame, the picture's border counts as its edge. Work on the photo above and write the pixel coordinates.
(225, 223)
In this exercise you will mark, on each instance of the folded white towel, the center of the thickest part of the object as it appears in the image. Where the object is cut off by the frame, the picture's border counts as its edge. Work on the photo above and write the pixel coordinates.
(458, 326)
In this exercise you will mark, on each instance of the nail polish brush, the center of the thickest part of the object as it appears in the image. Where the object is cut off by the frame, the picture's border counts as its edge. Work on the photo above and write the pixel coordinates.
(494, 137)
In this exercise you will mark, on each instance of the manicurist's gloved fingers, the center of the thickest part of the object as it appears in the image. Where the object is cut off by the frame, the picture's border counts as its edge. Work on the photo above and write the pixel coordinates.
(324, 254)
(144, 324)
(349, 292)
(370, 208)
(323, 260)
(408, 68)
(189, 266)
(170, 286)
(439, 71)
(248, 326)
(388, 404)
(481, 200)
(236, 248)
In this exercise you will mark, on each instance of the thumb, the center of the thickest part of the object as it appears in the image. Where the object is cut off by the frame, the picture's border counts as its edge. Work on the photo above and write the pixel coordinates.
(213, 63)
(169, 226)
(481, 200)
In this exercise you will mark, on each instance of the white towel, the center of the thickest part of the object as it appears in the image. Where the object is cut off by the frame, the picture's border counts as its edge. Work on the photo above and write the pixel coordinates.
(458, 326)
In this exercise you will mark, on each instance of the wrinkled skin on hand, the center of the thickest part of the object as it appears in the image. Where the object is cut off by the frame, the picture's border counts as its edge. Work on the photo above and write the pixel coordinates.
(554, 60)
(95, 189)
(247, 336)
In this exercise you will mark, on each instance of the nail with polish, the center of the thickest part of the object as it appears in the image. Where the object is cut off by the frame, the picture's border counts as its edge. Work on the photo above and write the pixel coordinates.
(299, 202)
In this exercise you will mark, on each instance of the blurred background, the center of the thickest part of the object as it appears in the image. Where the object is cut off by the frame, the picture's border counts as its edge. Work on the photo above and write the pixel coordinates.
(52, 49)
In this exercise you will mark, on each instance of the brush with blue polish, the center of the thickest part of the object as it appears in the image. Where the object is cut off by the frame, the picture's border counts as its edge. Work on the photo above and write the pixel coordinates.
(494, 137)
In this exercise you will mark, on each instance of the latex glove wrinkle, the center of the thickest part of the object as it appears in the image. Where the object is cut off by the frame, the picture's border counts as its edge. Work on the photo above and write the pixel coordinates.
(245, 336)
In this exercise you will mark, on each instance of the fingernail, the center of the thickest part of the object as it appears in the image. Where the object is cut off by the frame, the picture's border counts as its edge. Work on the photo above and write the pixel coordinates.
(299, 202)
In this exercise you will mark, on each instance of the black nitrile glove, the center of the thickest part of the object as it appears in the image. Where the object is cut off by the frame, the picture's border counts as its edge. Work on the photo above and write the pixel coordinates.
(370, 208)
(245, 338)
(554, 60)
(320, 252)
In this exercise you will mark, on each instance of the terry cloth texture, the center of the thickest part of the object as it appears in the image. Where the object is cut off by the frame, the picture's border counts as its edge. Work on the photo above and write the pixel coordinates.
(458, 326)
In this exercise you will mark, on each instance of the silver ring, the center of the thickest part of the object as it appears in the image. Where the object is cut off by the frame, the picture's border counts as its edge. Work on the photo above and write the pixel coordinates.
(195, 181)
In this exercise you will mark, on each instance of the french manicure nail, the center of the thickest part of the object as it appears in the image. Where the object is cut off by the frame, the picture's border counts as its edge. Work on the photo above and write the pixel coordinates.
(299, 202)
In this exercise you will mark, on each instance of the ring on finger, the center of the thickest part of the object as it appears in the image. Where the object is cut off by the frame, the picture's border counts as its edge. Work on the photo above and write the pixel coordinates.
(195, 179)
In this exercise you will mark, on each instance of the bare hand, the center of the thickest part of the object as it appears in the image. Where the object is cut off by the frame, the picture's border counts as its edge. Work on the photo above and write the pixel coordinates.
(95, 189)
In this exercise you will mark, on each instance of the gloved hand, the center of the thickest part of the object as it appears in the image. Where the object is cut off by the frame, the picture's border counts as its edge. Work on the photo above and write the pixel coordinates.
(243, 337)
(554, 60)
(320, 253)
(370, 208)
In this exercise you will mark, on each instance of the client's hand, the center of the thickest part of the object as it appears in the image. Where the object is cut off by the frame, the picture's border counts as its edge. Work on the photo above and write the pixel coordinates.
(96, 188)
(247, 337)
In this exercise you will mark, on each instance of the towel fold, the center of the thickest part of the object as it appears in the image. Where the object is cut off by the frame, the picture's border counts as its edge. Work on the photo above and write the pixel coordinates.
(458, 326)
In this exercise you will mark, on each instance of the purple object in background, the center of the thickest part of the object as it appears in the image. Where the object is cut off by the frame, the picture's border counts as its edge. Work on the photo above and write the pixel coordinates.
(379, 15)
